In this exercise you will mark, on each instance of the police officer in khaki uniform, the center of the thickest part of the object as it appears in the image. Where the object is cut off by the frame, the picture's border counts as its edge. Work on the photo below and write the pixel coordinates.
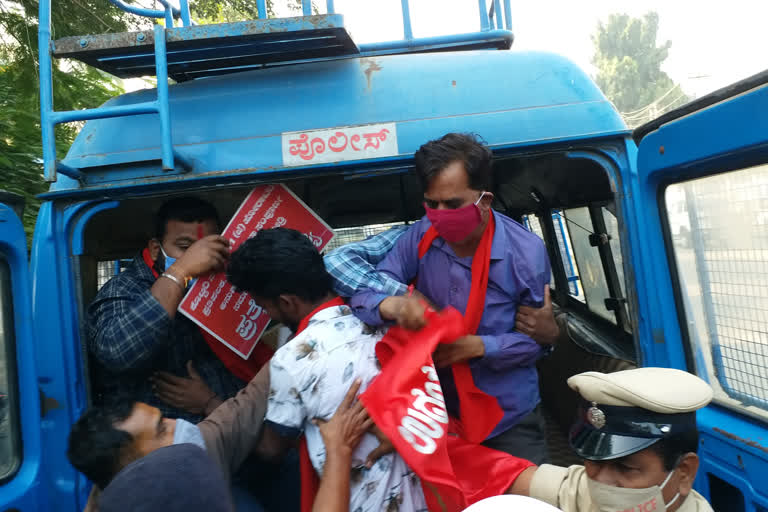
(637, 434)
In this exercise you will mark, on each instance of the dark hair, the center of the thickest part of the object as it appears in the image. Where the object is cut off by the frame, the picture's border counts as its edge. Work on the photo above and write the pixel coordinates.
(279, 261)
(96, 446)
(672, 448)
(183, 209)
(436, 155)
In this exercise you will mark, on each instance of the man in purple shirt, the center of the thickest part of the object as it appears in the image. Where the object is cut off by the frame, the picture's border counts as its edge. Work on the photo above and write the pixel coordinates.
(455, 173)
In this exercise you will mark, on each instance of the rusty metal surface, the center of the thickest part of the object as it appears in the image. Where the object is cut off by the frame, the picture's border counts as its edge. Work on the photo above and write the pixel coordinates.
(733, 437)
(208, 49)
(73, 46)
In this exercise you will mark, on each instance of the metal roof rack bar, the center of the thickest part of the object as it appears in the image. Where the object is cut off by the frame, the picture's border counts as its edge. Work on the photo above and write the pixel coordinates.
(49, 118)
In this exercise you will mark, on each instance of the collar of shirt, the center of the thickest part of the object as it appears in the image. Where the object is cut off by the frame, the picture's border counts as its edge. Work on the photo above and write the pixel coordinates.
(329, 314)
(143, 272)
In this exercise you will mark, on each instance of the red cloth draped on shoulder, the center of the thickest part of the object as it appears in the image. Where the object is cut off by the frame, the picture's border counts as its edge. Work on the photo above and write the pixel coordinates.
(473, 403)
(407, 404)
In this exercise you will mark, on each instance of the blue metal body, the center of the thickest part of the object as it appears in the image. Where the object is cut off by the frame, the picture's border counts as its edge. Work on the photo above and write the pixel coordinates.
(552, 101)
(228, 129)
(50, 118)
(27, 489)
(733, 445)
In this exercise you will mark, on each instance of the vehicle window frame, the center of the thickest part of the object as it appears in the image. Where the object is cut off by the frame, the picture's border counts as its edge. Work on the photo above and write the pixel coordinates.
(565, 299)
(609, 272)
(689, 339)
(8, 350)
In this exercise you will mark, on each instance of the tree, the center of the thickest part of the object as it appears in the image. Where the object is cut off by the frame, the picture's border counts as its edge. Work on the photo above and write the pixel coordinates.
(628, 61)
(76, 86)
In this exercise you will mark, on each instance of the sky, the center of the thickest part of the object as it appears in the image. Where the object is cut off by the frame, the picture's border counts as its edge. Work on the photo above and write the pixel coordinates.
(712, 45)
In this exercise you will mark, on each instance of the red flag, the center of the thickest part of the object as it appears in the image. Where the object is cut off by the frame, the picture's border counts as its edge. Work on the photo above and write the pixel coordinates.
(406, 403)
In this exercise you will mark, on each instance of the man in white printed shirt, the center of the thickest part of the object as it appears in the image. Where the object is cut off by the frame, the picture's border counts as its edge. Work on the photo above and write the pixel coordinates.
(310, 375)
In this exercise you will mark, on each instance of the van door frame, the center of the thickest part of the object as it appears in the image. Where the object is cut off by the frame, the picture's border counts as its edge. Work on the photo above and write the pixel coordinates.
(22, 489)
(682, 145)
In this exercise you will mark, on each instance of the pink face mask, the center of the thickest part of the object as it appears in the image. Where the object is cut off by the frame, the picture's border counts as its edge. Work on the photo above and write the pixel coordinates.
(456, 225)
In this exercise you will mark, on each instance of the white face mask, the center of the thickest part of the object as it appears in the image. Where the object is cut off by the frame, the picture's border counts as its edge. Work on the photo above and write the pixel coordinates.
(607, 498)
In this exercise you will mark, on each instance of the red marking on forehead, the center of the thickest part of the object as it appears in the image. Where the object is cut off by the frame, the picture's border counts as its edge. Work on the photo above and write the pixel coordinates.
(199, 231)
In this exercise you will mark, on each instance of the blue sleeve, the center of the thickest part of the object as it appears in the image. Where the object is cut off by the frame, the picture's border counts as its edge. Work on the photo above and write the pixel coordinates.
(353, 266)
(514, 348)
(400, 264)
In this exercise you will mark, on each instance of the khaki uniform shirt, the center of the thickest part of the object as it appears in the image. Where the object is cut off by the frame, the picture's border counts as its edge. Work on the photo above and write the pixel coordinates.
(566, 488)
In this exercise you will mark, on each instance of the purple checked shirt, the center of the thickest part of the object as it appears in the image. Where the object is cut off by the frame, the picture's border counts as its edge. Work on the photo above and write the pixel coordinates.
(519, 270)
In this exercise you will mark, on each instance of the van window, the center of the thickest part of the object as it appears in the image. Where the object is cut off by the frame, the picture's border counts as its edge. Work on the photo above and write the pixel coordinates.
(346, 236)
(582, 262)
(566, 254)
(9, 446)
(105, 270)
(722, 272)
(591, 275)
(533, 224)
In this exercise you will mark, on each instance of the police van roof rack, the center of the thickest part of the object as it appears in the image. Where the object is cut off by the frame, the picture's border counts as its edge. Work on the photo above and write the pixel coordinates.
(192, 51)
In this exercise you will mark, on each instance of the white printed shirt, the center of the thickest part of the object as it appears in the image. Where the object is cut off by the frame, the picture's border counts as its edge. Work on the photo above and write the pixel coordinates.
(309, 377)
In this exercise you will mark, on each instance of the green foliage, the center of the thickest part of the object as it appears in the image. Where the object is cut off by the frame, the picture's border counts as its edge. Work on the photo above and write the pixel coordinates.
(75, 86)
(628, 61)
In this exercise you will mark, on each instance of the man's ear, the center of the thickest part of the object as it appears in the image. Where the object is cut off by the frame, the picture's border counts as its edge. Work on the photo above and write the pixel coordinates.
(687, 468)
(154, 248)
(289, 306)
(487, 200)
(485, 205)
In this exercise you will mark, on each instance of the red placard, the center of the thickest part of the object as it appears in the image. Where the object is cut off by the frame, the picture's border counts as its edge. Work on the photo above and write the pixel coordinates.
(212, 303)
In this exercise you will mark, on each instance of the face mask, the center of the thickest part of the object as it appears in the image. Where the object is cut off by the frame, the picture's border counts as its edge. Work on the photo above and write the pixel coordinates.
(187, 432)
(607, 498)
(168, 259)
(456, 225)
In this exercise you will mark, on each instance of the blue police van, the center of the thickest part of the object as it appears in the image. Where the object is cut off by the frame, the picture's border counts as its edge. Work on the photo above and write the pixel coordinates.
(297, 101)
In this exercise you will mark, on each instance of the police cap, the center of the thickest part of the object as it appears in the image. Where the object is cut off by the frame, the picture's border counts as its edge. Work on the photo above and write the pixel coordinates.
(625, 412)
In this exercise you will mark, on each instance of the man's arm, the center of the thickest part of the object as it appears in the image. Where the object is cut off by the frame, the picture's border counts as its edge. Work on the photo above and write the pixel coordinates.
(202, 257)
(400, 264)
(233, 429)
(511, 349)
(128, 322)
(286, 412)
(545, 325)
(353, 266)
(564, 488)
(515, 348)
(126, 326)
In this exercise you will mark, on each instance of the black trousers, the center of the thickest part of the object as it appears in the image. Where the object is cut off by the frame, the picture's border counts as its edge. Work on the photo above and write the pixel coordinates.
(526, 440)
